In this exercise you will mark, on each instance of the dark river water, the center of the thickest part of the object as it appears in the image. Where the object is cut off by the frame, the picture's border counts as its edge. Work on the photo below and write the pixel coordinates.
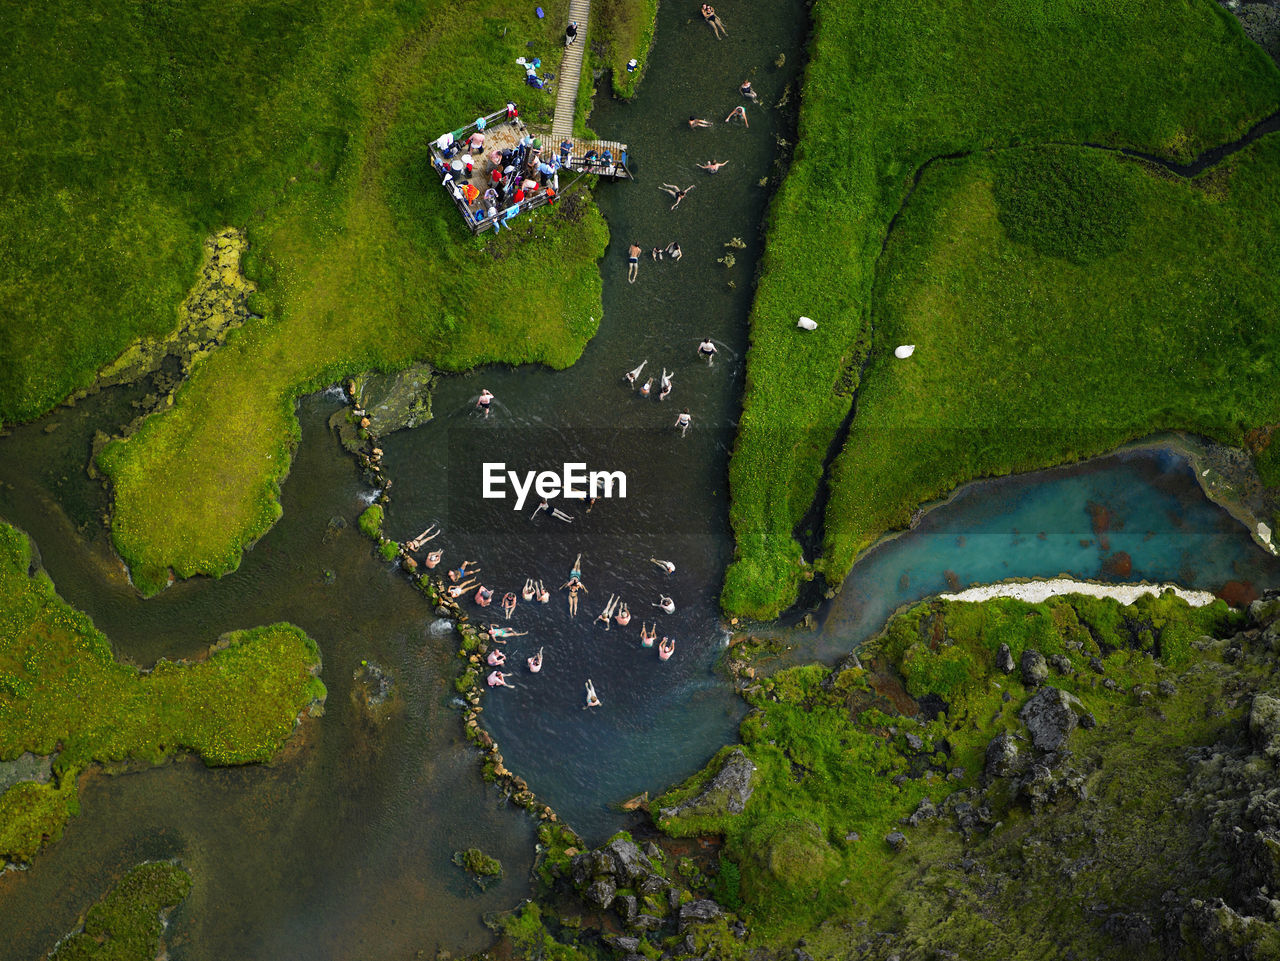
(340, 849)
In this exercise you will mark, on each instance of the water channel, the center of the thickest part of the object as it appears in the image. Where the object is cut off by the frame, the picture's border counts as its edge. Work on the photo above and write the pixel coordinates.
(341, 847)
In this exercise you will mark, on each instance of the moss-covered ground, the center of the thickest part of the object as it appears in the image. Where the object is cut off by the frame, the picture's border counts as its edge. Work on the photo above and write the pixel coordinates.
(840, 763)
(135, 132)
(622, 30)
(62, 691)
(1082, 297)
(889, 87)
(125, 925)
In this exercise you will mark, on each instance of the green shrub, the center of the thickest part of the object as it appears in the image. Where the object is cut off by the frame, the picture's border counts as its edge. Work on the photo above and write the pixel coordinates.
(371, 521)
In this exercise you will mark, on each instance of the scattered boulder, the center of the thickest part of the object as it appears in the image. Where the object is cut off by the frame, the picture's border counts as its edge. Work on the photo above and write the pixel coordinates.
(601, 892)
(631, 864)
(1004, 659)
(1095, 663)
(699, 912)
(645, 922)
(1002, 756)
(1166, 688)
(1088, 721)
(1062, 664)
(726, 793)
(1034, 668)
(896, 840)
(652, 884)
(915, 742)
(1050, 716)
(925, 811)
(623, 942)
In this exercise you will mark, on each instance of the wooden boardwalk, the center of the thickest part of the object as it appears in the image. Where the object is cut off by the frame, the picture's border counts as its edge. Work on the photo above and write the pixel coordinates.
(571, 72)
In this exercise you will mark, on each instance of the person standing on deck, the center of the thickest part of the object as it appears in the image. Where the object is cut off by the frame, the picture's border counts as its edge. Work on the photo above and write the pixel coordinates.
(566, 151)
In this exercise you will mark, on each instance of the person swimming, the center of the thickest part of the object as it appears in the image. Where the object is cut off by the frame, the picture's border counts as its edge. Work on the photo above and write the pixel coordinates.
(529, 589)
(631, 375)
(707, 350)
(667, 604)
(748, 91)
(683, 421)
(623, 617)
(674, 251)
(508, 604)
(633, 263)
(741, 113)
(699, 122)
(574, 586)
(646, 387)
(461, 572)
(576, 572)
(607, 613)
(421, 539)
(666, 647)
(665, 383)
(711, 166)
(496, 658)
(499, 679)
(486, 398)
(647, 638)
(484, 596)
(498, 632)
(433, 558)
(535, 662)
(544, 595)
(676, 192)
(592, 700)
(665, 565)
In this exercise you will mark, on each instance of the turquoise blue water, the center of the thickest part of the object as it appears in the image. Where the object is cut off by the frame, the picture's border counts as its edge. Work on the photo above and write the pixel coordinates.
(1042, 524)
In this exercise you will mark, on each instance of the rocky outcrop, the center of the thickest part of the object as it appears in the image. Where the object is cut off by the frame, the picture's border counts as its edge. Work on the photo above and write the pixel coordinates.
(1050, 717)
(1002, 756)
(726, 793)
(1264, 725)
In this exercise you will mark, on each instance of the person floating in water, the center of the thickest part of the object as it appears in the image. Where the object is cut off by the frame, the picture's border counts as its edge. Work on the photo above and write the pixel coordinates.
(741, 113)
(544, 595)
(633, 263)
(707, 351)
(433, 558)
(683, 421)
(695, 122)
(484, 596)
(648, 637)
(655, 254)
(631, 375)
(529, 588)
(461, 572)
(574, 586)
(676, 192)
(674, 251)
(666, 647)
(592, 700)
(748, 91)
(485, 399)
(667, 605)
(607, 613)
(665, 383)
(430, 533)
(560, 515)
(542, 506)
(499, 679)
(623, 617)
(713, 21)
(711, 166)
(535, 662)
(498, 632)
(496, 658)
(646, 387)
(459, 589)
(508, 605)
(665, 565)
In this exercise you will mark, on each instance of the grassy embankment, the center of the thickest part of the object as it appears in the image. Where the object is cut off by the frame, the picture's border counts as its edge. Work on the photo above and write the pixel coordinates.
(622, 30)
(137, 132)
(837, 770)
(63, 691)
(1084, 299)
(887, 88)
(125, 925)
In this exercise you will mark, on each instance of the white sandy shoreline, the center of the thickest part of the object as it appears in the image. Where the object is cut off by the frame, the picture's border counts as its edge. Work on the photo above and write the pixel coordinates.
(1036, 591)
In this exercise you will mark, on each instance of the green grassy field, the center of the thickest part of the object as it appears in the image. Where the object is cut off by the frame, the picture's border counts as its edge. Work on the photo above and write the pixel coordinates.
(887, 88)
(307, 125)
(624, 30)
(836, 771)
(63, 691)
(1159, 315)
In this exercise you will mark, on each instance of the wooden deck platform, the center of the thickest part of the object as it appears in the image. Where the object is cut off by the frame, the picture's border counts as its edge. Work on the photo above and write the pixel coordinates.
(616, 168)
